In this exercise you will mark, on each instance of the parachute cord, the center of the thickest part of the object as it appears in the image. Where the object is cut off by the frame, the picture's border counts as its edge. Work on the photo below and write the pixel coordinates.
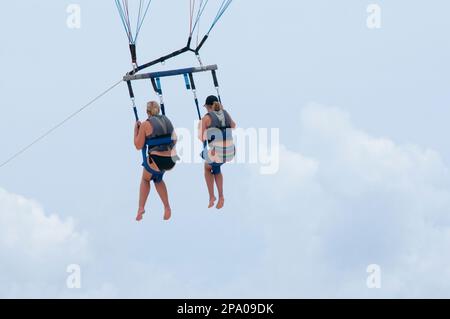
(123, 19)
(60, 124)
(124, 13)
(127, 19)
(223, 8)
(139, 17)
(139, 14)
(143, 19)
(191, 13)
(201, 10)
(198, 29)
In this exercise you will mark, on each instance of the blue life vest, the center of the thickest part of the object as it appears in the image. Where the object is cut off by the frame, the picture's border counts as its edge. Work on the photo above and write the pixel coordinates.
(219, 130)
(219, 122)
(161, 138)
(159, 141)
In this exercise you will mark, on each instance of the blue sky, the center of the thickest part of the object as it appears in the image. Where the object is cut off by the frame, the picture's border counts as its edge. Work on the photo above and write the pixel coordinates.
(364, 154)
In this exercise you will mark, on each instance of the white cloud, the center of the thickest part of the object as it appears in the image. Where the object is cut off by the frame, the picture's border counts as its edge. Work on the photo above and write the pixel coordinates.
(345, 200)
(349, 200)
(35, 248)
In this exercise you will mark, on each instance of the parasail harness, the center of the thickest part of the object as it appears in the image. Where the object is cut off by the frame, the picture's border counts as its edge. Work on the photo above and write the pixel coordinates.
(155, 77)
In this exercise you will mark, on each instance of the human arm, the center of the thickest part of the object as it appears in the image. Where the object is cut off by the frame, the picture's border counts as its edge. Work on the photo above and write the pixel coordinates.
(174, 138)
(233, 124)
(141, 131)
(203, 127)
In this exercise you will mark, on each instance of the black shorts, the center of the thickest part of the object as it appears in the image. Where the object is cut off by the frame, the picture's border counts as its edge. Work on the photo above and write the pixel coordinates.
(164, 163)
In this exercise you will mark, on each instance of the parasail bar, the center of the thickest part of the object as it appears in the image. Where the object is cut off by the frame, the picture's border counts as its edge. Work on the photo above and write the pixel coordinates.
(163, 74)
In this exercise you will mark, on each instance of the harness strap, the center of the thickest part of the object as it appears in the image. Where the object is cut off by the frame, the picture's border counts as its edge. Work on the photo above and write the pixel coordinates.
(159, 141)
(216, 168)
(156, 83)
(157, 176)
(216, 84)
(194, 92)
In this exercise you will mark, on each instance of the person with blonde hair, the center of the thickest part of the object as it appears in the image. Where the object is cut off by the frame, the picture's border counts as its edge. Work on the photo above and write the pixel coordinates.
(157, 137)
(215, 132)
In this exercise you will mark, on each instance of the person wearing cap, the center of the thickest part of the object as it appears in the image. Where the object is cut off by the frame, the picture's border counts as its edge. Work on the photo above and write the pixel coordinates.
(215, 132)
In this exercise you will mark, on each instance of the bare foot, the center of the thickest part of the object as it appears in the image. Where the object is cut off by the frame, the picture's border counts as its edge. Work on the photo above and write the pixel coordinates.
(212, 200)
(167, 213)
(220, 203)
(140, 215)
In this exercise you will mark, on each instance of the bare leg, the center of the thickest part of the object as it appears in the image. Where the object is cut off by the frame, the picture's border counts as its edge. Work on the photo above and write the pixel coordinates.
(163, 194)
(209, 178)
(219, 183)
(143, 194)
